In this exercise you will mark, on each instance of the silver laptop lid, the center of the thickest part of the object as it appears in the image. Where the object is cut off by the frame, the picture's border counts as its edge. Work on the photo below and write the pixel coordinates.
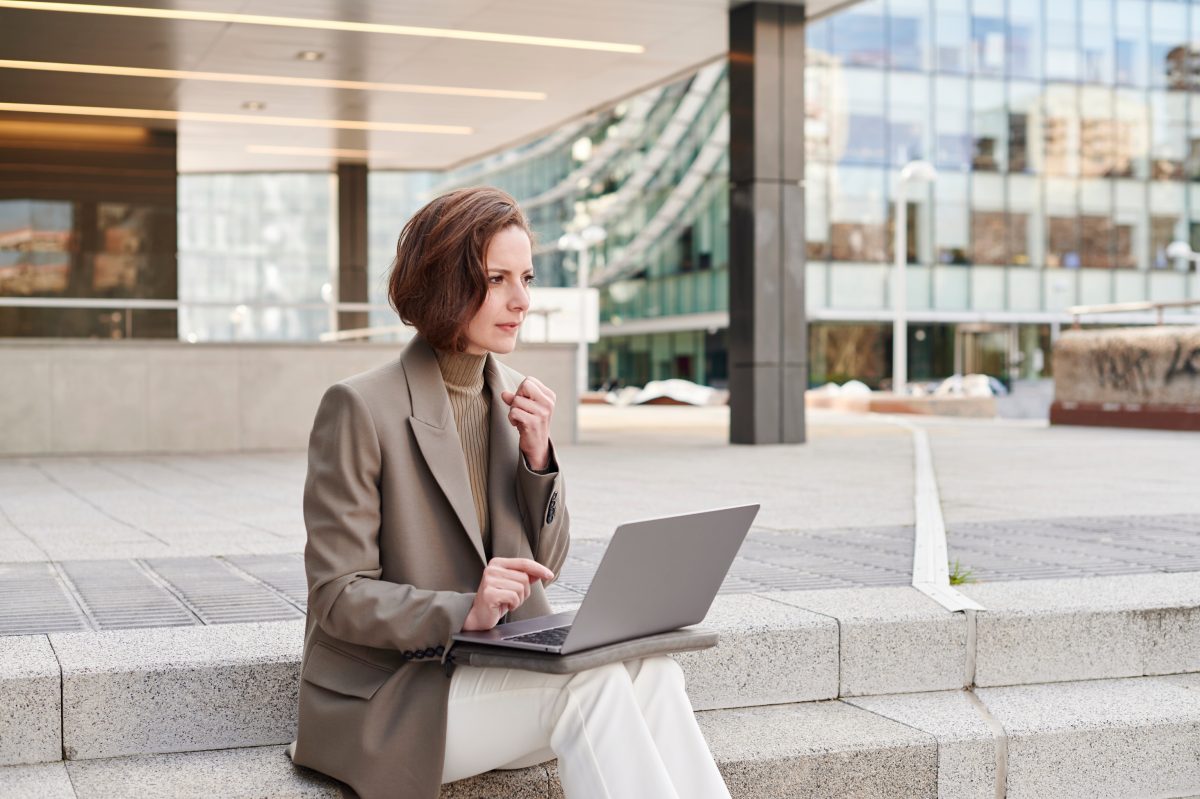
(659, 575)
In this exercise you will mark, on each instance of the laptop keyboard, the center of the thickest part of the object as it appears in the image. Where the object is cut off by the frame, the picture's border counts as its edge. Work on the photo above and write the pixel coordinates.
(552, 637)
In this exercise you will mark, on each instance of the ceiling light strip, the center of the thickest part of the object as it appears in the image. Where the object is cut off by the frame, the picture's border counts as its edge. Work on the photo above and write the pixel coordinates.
(238, 119)
(322, 152)
(270, 80)
(321, 24)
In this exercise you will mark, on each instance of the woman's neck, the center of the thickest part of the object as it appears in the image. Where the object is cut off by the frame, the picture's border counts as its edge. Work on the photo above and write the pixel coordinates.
(461, 370)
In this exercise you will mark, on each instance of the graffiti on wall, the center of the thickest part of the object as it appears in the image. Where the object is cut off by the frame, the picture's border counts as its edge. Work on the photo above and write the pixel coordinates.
(1183, 365)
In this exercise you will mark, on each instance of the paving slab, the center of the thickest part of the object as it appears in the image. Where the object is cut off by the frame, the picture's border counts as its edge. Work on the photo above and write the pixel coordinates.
(893, 640)
(41, 781)
(30, 695)
(967, 748)
(179, 689)
(768, 653)
(1100, 627)
(1080, 740)
(231, 773)
(817, 750)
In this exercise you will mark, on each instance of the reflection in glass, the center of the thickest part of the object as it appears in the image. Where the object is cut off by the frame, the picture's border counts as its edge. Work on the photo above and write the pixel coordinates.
(1168, 39)
(987, 39)
(951, 230)
(1062, 45)
(254, 238)
(989, 225)
(1130, 139)
(951, 35)
(1131, 240)
(1060, 130)
(1024, 39)
(1096, 44)
(1168, 134)
(908, 115)
(1062, 229)
(1025, 237)
(990, 129)
(951, 123)
(859, 133)
(856, 35)
(1096, 223)
(1097, 132)
(858, 215)
(908, 34)
(1131, 46)
(1168, 222)
(1024, 100)
(36, 247)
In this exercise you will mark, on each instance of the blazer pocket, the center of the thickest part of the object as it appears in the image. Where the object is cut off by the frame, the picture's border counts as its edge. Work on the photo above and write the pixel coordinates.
(343, 673)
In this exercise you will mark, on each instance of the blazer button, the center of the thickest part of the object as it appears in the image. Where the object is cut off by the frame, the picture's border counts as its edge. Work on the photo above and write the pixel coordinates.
(553, 506)
(429, 652)
(408, 655)
(440, 650)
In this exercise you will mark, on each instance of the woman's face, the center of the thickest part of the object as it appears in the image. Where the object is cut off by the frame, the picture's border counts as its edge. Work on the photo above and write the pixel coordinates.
(509, 265)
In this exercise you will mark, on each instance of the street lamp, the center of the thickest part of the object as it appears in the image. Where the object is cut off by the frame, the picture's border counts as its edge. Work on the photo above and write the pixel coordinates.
(913, 172)
(1181, 249)
(581, 243)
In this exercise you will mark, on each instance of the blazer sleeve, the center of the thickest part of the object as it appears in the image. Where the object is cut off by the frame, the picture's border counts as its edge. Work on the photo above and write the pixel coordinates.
(341, 557)
(542, 499)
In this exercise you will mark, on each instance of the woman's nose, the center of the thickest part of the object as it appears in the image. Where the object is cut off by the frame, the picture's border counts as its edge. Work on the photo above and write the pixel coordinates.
(520, 299)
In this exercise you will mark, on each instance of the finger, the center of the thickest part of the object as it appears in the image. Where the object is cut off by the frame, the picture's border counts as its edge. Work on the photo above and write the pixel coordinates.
(527, 404)
(520, 587)
(520, 418)
(534, 390)
(527, 565)
(498, 596)
(507, 397)
(542, 387)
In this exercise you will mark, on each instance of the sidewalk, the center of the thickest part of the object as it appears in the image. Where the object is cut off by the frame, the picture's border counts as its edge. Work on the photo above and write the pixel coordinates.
(119, 542)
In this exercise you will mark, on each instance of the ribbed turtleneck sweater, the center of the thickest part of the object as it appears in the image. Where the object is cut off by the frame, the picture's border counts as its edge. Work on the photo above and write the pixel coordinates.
(463, 375)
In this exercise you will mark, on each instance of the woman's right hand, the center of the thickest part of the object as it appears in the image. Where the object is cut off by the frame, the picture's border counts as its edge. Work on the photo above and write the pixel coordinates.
(505, 587)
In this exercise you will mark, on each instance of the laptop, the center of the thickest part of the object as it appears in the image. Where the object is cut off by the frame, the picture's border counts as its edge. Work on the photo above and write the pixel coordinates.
(656, 575)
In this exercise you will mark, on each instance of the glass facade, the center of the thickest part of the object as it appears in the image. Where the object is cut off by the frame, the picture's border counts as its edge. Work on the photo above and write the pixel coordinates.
(250, 246)
(1066, 136)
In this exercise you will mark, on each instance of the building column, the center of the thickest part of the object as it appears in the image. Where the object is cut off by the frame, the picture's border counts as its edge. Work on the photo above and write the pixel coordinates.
(352, 242)
(768, 358)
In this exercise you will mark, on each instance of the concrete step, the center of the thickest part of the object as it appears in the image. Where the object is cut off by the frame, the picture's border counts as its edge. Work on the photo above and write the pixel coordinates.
(107, 694)
(1096, 739)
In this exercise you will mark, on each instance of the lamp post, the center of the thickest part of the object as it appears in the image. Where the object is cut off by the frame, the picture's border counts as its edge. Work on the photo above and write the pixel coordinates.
(1177, 250)
(913, 172)
(581, 243)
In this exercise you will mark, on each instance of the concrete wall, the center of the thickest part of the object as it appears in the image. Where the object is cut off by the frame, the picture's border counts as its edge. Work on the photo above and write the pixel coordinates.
(75, 397)
(1157, 366)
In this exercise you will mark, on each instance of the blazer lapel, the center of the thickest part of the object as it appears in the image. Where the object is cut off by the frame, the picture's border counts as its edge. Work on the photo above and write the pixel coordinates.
(503, 455)
(433, 426)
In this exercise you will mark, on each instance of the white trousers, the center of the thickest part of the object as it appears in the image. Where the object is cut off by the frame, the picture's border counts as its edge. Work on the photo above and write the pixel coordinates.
(621, 731)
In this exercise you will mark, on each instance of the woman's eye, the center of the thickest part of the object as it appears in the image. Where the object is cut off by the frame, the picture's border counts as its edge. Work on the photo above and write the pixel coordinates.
(530, 280)
(496, 279)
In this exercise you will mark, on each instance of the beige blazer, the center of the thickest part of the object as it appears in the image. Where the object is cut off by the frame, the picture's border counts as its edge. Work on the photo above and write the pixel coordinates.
(393, 558)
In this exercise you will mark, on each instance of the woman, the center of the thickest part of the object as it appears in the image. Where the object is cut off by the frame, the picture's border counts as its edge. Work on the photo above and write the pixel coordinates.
(434, 504)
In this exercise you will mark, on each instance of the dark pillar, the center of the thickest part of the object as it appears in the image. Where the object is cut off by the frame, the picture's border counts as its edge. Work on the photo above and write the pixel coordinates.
(352, 242)
(768, 341)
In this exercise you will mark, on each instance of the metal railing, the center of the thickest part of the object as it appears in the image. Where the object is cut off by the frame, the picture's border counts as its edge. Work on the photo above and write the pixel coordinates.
(1077, 311)
(126, 305)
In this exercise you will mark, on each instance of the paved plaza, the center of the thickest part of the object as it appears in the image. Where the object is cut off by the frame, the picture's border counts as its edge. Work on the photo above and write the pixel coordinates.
(149, 541)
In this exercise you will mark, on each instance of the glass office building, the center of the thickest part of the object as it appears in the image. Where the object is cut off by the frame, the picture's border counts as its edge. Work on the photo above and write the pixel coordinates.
(1066, 138)
(1065, 135)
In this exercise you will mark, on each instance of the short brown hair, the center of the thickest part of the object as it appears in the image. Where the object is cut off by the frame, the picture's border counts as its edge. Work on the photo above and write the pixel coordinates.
(439, 280)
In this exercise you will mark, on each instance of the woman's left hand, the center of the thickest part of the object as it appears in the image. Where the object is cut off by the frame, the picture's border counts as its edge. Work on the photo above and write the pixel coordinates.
(530, 409)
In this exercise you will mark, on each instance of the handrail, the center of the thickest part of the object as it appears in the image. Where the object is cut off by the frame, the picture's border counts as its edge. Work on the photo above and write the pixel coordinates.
(1077, 311)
